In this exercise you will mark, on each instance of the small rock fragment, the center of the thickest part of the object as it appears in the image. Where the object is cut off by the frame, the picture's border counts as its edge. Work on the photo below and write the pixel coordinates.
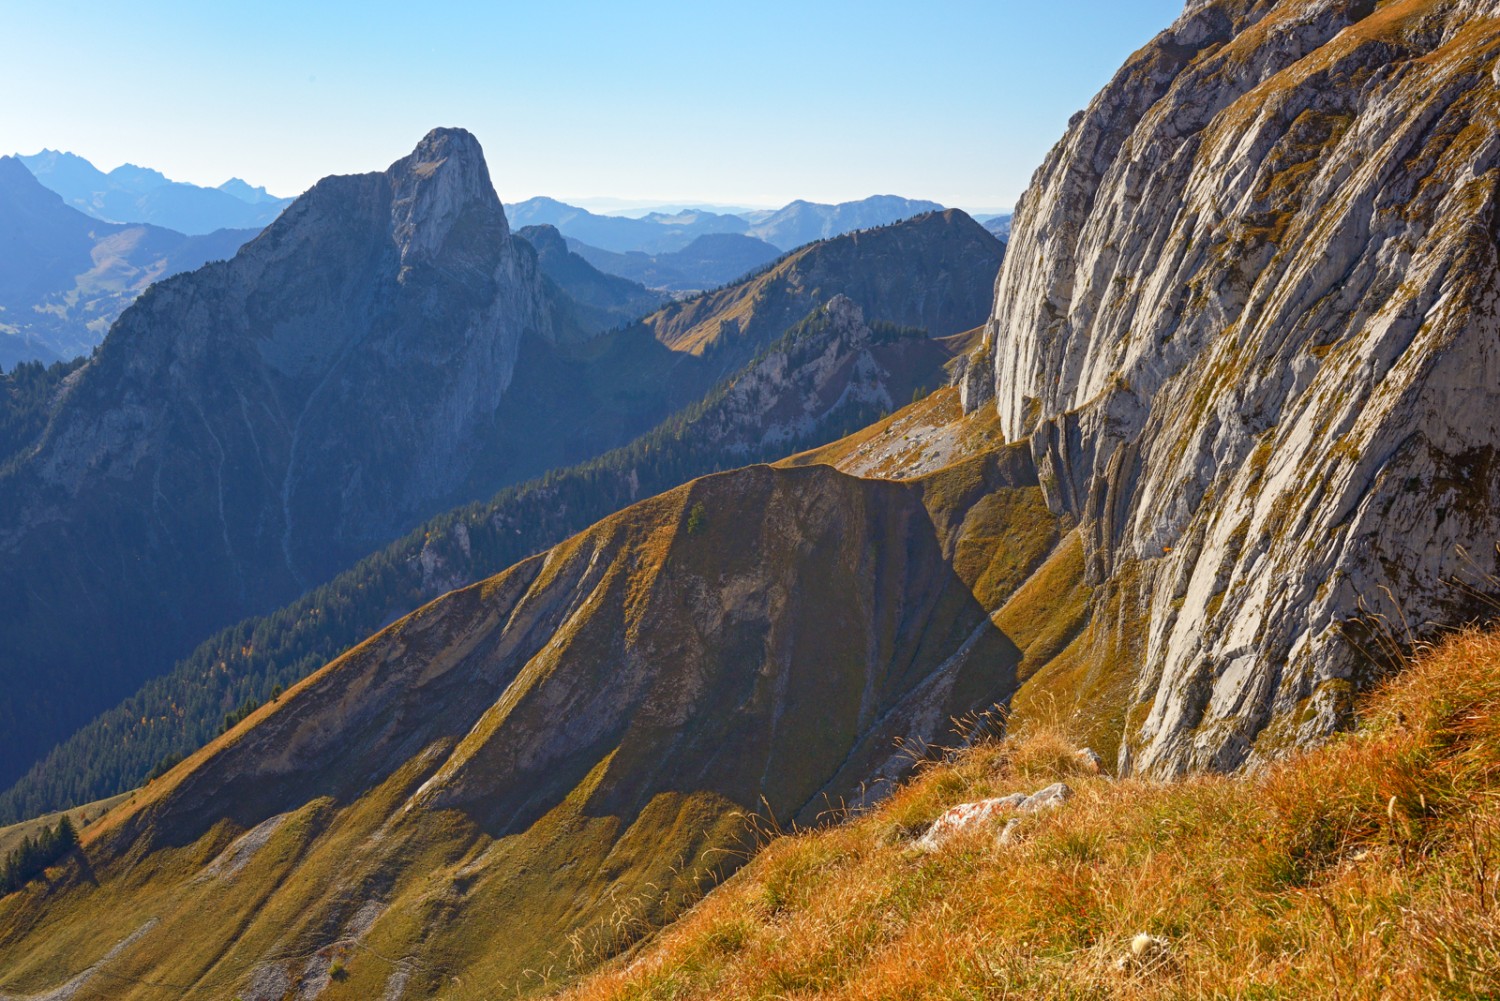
(1091, 759)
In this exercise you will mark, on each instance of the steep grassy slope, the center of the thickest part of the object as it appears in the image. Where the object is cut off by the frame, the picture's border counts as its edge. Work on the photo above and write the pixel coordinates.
(535, 770)
(1367, 869)
(81, 816)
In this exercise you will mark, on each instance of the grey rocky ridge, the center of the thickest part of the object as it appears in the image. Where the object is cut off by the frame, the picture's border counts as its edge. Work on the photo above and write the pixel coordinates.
(257, 424)
(1248, 326)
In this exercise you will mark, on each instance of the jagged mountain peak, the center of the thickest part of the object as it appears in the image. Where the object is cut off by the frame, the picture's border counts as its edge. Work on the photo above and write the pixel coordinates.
(12, 169)
(440, 184)
(844, 312)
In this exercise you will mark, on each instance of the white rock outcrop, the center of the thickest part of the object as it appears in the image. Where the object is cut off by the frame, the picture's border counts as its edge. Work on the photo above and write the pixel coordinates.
(1248, 323)
(968, 816)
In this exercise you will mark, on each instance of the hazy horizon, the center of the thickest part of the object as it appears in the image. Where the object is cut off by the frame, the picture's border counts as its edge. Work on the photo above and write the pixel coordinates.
(598, 204)
(667, 103)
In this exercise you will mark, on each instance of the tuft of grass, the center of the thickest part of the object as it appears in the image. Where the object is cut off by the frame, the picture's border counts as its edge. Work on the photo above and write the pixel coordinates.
(1367, 868)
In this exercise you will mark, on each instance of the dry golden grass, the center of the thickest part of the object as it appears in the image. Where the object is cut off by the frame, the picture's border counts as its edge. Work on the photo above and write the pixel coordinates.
(1369, 868)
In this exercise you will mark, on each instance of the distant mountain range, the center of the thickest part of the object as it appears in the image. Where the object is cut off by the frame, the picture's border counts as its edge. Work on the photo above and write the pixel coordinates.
(620, 234)
(139, 194)
(65, 277)
(786, 228)
(711, 260)
(998, 225)
(803, 222)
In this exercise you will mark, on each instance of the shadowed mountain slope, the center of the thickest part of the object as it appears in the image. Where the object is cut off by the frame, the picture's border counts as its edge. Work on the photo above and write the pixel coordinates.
(929, 271)
(599, 300)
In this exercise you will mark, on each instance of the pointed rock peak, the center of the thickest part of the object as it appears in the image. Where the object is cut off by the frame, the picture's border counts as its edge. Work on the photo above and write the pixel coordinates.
(844, 311)
(843, 320)
(443, 182)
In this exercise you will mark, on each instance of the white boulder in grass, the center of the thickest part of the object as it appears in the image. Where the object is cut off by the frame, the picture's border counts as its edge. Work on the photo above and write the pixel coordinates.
(1146, 952)
(967, 816)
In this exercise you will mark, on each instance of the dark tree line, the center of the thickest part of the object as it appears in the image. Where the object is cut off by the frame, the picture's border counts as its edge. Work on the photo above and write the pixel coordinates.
(26, 394)
(35, 854)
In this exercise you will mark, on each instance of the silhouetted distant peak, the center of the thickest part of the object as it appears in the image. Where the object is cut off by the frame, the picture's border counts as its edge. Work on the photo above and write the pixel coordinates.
(247, 192)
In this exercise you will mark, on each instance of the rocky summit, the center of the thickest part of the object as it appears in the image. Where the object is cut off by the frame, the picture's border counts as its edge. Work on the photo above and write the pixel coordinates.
(1248, 327)
(249, 427)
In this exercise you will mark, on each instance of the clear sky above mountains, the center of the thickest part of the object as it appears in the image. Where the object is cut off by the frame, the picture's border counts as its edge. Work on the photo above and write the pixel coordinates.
(749, 104)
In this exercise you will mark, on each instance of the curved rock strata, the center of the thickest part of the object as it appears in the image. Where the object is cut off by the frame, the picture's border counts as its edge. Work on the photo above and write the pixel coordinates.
(1248, 324)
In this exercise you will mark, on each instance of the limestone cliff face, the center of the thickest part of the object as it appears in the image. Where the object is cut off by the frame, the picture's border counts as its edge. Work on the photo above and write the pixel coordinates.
(1248, 323)
(247, 428)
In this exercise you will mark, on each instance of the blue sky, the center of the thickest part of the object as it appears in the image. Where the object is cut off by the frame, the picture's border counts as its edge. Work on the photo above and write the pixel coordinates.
(750, 104)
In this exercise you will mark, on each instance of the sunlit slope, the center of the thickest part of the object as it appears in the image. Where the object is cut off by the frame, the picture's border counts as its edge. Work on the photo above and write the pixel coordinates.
(1362, 870)
(534, 771)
